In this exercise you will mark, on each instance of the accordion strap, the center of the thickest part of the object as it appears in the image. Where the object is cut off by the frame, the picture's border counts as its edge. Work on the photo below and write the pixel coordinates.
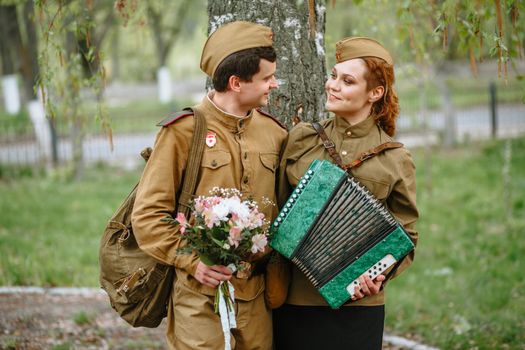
(329, 145)
(371, 153)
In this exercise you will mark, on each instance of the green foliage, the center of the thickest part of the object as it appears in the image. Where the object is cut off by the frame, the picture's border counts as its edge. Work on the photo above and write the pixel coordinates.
(50, 227)
(429, 31)
(464, 290)
(82, 318)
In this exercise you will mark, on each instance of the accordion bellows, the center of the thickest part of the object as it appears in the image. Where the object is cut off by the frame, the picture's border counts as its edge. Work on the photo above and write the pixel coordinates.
(334, 230)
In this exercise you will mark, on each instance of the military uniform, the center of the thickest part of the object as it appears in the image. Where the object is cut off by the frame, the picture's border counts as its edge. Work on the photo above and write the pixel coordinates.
(306, 321)
(241, 152)
(390, 176)
(245, 156)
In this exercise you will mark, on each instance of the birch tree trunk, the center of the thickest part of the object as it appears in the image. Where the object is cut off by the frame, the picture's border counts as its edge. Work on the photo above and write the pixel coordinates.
(9, 50)
(298, 28)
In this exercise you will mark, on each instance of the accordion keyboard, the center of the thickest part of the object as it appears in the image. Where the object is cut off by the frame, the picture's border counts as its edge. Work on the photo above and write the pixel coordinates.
(373, 271)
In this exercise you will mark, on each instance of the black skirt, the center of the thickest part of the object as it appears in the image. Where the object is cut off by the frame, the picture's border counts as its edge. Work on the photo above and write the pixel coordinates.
(320, 327)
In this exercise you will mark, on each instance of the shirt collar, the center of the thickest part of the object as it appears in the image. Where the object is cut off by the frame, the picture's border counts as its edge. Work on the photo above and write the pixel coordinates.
(232, 122)
(357, 130)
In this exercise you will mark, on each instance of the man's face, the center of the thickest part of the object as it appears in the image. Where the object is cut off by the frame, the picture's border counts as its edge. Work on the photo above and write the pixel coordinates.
(255, 93)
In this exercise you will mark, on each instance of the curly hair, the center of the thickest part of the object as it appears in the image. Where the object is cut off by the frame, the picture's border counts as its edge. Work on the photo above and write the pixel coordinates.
(385, 110)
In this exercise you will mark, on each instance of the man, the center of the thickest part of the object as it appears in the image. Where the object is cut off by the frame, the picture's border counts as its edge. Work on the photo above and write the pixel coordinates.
(242, 151)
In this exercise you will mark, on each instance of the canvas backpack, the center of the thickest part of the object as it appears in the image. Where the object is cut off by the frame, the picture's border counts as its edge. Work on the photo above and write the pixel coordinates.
(138, 285)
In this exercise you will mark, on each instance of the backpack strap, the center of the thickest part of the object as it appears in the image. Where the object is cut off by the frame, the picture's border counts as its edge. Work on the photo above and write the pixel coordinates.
(194, 162)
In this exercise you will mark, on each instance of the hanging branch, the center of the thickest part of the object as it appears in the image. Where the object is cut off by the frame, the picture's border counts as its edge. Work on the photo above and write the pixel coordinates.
(311, 18)
(500, 41)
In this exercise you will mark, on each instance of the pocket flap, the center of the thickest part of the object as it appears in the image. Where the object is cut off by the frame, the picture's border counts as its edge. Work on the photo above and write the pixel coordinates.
(269, 160)
(216, 159)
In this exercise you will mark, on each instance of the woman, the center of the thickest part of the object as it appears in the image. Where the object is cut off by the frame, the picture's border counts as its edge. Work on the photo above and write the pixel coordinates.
(360, 93)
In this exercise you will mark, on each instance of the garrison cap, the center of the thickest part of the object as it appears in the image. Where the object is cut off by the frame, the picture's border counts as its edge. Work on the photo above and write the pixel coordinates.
(230, 38)
(357, 47)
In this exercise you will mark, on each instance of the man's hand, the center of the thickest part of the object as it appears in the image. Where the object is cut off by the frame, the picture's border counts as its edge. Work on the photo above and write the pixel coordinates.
(211, 276)
(367, 286)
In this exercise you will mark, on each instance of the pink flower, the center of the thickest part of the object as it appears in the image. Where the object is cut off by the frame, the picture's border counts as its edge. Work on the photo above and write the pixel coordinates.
(235, 236)
(210, 219)
(181, 219)
(259, 243)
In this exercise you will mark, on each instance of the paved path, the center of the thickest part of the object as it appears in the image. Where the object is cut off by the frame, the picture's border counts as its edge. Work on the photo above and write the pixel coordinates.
(470, 125)
(36, 318)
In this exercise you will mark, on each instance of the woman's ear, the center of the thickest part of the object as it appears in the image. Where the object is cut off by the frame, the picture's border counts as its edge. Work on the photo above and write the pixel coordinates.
(376, 93)
(234, 83)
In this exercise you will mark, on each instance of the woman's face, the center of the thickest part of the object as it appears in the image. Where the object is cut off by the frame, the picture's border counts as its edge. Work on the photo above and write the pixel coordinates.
(346, 91)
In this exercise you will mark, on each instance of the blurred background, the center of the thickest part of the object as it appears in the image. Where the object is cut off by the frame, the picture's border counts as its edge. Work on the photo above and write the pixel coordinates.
(84, 83)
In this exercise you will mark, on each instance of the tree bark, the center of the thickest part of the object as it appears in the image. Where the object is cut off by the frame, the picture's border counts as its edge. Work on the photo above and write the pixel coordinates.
(300, 50)
(29, 54)
(10, 43)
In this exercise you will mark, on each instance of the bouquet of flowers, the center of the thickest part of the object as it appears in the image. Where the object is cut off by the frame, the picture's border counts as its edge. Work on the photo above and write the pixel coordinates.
(225, 230)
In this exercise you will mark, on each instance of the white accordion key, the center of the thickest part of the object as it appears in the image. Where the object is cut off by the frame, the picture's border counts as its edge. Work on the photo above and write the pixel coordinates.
(372, 272)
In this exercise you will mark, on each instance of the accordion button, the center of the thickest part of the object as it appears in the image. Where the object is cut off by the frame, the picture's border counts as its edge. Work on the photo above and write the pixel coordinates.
(285, 210)
(288, 205)
(310, 172)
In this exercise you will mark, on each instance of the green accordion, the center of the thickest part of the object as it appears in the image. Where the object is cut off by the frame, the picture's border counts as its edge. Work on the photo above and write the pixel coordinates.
(334, 230)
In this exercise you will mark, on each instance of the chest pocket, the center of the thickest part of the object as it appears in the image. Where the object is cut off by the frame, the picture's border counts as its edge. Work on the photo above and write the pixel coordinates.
(269, 160)
(216, 159)
(379, 189)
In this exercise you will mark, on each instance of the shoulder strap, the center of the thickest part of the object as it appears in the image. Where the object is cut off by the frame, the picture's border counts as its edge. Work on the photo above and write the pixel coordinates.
(193, 163)
(271, 117)
(170, 119)
(328, 144)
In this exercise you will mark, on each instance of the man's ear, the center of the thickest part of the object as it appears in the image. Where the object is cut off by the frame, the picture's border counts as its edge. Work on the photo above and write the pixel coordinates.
(234, 83)
(376, 93)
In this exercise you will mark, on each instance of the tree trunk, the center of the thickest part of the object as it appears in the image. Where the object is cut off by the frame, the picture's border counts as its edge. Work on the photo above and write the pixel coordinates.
(301, 69)
(450, 132)
(9, 48)
(165, 36)
(29, 54)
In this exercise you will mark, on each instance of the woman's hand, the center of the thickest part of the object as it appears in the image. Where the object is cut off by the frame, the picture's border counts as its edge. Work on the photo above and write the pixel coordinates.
(367, 286)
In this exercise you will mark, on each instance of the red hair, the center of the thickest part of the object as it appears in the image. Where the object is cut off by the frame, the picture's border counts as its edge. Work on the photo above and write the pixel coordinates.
(386, 109)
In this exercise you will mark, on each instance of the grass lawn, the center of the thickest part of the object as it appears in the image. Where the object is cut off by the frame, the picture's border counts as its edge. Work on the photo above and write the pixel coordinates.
(465, 290)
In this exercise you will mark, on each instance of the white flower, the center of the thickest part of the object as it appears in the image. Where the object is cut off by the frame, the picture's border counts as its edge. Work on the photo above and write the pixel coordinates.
(221, 211)
(259, 243)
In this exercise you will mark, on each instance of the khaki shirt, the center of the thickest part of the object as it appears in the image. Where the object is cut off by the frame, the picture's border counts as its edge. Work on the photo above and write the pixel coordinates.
(245, 156)
(390, 176)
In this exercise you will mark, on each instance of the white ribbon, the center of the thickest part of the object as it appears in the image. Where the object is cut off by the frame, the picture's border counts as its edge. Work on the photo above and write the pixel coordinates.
(227, 315)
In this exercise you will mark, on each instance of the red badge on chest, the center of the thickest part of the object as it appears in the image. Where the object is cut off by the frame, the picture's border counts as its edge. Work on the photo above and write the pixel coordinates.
(211, 139)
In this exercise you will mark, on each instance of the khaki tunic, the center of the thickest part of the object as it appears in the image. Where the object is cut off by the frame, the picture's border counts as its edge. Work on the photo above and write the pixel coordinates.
(245, 156)
(390, 176)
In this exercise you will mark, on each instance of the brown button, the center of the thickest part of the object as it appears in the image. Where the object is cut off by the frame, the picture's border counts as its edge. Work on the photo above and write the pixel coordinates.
(241, 123)
(214, 163)
(245, 180)
(245, 155)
